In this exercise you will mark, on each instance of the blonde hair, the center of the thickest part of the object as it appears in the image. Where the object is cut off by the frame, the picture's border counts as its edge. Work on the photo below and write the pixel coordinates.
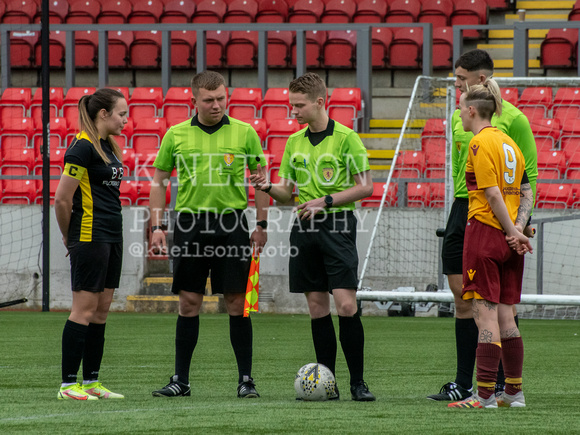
(89, 108)
(209, 80)
(485, 97)
(310, 84)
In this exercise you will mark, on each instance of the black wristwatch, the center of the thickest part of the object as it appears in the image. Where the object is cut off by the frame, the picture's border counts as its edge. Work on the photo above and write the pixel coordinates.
(328, 200)
(263, 224)
(155, 228)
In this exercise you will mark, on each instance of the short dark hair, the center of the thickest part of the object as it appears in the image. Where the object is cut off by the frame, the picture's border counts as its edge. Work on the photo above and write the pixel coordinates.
(209, 80)
(310, 84)
(475, 60)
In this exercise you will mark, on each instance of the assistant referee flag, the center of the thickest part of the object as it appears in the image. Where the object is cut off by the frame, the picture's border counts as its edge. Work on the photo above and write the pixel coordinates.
(252, 289)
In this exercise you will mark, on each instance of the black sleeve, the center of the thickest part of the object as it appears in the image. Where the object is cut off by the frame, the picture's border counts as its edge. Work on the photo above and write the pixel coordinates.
(525, 178)
(79, 153)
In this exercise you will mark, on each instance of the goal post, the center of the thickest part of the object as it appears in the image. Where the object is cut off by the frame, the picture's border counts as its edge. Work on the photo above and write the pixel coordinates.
(404, 250)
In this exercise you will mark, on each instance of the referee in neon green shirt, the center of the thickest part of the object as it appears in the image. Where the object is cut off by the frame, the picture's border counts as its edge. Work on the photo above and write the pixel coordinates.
(211, 152)
(328, 163)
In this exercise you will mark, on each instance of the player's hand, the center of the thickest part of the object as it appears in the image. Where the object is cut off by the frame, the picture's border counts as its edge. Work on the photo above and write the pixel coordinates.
(307, 210)
(520, 243)
(259, 238)
(65, 241)
(259, 179)
(158, 243)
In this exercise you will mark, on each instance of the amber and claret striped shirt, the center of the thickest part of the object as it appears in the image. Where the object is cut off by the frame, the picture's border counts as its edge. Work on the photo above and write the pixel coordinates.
(96, 214)
(494, 160)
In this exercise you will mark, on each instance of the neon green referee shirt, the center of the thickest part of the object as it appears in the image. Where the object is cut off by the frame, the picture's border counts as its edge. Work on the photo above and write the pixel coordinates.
(327, 167)
(211, 163)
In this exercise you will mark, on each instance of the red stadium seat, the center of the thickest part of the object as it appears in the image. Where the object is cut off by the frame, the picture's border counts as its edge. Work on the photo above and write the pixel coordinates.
(55, 101)
(572, 153)
(306, 11)
(443, 47)
(177, 106)
(146, 139)
(418, 195)
(412, 162)
(275, 105)
(498, 5)
(339, 49)
(403, 11)
(279, 43)
(546, 133)
(16, 143)
(566, 105)
(19, 12)
(57, 46)
(434, 127)
(83, 12)
(18, 191)
(145, 102)
(433, 144)
(344, 105)
(86, 43)
(145, 50)
(315, 40)
(241, 11)
(14, 103)
(575, 202)
(272, 11)
(178, 11)
(536, 101)
(119, 44)
(375, 199)
(435, 165)
(338, 11)
(370, 11)
(554, 196)
(22, 48)
(183, 49)
(381, 40)
(406, 48)
(242, 49)
(114, 11)
(436, 12)
(210, 11)
(124, 139)
(570, 137)
(245, 103)
(216, 42)
(510, 95)
(57, 12)
(146, 12)
(128, 192)
(551, 164)
(437, 195)
(53, 184)
(58, 131)
(469, 12)
(278, 134)
(260, 126)
(71, 101)
(558, 49)
(574, 14)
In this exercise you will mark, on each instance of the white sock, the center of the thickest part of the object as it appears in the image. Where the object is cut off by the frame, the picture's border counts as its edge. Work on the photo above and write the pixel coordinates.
(90, 382)
(65, 384)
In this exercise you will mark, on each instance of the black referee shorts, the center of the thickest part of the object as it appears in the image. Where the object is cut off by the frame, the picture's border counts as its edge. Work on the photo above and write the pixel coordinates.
(95, 266)
(326, 257)
(210, 241)
(452, 252)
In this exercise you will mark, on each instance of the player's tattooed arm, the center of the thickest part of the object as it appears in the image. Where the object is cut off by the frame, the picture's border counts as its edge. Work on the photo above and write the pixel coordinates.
(525, 208)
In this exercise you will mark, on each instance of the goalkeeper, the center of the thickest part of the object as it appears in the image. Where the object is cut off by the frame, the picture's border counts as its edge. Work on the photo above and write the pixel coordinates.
(474, 67)
(328, 163)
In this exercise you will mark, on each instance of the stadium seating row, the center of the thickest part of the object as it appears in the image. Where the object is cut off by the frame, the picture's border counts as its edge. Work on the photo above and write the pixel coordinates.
(439, 12)
(397, 48)
(343, 105)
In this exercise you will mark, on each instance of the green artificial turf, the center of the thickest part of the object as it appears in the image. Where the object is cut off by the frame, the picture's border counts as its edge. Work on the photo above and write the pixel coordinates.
(406, 359)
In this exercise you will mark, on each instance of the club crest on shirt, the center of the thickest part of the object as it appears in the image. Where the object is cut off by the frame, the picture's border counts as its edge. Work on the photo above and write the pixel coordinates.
(475, 149)
(228, 159)
(458, 145)
(327, 173)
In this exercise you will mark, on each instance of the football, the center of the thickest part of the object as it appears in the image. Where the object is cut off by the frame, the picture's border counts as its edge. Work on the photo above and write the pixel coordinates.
(315, 382)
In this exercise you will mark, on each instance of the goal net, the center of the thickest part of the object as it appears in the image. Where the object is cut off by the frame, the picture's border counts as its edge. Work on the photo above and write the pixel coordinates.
(404, 251)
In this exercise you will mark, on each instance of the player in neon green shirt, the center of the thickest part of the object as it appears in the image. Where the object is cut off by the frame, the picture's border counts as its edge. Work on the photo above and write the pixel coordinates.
(473, 67)
(328, 164)
(211, 153)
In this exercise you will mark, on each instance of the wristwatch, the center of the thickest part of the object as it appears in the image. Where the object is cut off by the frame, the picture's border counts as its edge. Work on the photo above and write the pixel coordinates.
(155, 228)
(263, 224)
(328, 200)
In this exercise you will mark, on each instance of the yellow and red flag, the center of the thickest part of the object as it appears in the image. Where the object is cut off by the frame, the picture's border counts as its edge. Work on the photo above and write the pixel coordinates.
(253, 287)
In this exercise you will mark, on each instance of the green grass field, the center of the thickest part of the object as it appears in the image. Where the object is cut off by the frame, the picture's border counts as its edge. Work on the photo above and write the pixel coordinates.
(406, 359)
